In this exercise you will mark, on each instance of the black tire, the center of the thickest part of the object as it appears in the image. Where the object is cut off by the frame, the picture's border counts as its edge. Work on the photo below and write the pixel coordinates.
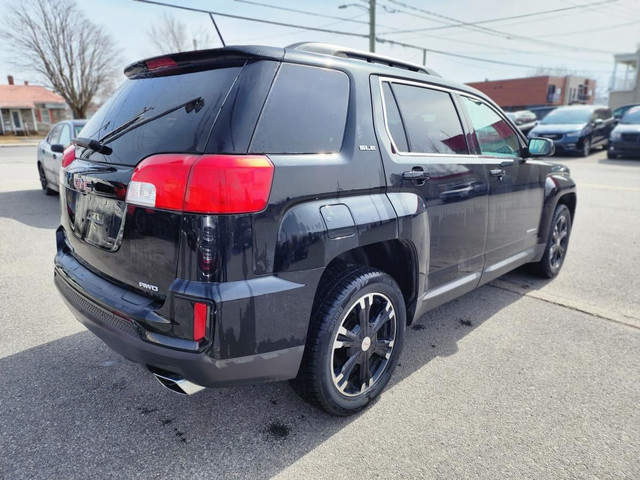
(586, 147)
(555, 251)
(351, 302)
(43, 182)
(611, 155)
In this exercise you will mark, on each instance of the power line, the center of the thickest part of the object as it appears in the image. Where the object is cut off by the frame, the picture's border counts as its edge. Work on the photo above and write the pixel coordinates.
(379, 39)
(610, 27)
(506, 35)
(265, 37)
(499, 19)
(305, 12)
(250, 19)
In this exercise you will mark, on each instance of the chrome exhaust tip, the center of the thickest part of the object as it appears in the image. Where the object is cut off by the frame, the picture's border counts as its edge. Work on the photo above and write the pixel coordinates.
(177, 384)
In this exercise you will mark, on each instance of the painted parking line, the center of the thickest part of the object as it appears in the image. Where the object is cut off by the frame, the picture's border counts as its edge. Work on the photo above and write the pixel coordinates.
(603, 313)
(609, 187)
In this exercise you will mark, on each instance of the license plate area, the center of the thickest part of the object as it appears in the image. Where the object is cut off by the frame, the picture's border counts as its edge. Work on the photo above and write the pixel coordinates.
(97, 220)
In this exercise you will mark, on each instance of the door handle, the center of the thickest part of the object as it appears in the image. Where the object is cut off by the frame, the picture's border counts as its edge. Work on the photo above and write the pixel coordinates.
(55, 157)
(497, 172)
(415, 175)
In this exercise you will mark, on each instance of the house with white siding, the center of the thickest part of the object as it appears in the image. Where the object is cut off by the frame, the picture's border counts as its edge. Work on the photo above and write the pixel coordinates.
(29, 109)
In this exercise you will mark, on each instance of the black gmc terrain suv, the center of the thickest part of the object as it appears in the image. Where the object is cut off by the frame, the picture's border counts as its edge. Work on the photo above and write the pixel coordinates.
(251, 214)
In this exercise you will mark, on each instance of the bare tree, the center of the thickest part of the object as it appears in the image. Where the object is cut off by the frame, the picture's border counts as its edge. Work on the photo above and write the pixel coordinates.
(171, 35)
(54, 38)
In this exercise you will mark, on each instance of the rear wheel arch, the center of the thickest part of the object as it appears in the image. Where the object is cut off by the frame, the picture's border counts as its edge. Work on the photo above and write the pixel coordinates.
(396, 258)
(44, 183)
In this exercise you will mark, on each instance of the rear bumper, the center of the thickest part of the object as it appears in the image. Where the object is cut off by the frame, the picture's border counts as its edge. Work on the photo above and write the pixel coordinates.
(109, 311)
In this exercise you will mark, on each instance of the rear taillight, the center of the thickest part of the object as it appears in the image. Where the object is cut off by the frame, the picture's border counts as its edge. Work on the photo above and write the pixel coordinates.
(68, 156)
(202, 183)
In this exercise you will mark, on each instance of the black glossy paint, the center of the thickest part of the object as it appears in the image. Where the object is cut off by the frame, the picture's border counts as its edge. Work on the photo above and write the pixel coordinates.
(439, 225)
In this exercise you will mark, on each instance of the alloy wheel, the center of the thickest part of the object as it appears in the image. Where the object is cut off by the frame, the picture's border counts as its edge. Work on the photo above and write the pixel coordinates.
(559, 239)
(363, 344)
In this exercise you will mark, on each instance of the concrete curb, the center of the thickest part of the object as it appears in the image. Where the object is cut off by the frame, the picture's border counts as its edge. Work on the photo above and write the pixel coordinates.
(18, 144)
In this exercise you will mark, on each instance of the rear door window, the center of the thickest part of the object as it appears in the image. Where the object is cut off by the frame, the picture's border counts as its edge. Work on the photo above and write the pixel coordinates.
(305, 112)
(429, 118)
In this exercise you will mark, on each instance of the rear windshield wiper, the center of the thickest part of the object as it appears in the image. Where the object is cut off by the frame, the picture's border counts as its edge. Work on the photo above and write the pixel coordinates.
(138, 120)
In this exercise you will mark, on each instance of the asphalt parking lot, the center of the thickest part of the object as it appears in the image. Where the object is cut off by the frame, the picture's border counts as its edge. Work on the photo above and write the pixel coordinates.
(522, 378)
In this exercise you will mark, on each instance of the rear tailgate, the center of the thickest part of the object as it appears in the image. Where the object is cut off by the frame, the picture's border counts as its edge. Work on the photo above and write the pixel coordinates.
(132, 245)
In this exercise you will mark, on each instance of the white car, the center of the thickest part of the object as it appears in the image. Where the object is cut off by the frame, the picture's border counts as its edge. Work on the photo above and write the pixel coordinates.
(50, 152)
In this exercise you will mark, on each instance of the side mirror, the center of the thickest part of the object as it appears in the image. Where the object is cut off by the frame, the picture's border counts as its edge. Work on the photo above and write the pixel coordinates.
(57, 148)
(598, 121)
(541, 147)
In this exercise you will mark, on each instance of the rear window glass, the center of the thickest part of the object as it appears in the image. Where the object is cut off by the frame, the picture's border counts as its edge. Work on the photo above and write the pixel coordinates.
(306, 112)
(430, 119)
(178, 131)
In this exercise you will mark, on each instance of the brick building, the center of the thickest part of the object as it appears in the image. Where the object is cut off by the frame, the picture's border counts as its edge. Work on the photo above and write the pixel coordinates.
(547, 90)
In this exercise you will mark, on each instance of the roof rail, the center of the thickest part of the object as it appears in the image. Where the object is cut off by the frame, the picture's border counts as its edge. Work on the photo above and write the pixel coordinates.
(338, 51)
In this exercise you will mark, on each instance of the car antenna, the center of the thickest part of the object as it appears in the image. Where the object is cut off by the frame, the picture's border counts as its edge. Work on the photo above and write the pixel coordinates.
(217, 29)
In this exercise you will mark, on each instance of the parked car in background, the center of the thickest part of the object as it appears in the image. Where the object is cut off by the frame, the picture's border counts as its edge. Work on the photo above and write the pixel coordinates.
(50, 152)
(619, 112)
(576, 129)
(525, 120)
(541, 112)
(625, 138)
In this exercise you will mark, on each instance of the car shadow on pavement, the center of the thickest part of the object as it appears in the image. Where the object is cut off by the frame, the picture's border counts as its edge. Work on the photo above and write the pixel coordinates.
(521, 280)
(31, 207)
(72, 408)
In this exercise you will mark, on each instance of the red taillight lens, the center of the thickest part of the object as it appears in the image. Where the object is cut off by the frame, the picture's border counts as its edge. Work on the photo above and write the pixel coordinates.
(199, 321)
(158, 63)
(68, 156)
(229, 184)
(202, 184)
(160, 181)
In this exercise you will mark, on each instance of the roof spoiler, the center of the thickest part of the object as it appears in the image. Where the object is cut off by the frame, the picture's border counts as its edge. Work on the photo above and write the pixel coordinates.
(183, 62)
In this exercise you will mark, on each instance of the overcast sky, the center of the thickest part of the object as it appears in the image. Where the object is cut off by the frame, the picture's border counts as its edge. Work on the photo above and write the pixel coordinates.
(581, 38)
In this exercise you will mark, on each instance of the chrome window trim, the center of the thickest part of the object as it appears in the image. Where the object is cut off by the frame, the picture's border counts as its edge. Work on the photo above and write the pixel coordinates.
(382, 79)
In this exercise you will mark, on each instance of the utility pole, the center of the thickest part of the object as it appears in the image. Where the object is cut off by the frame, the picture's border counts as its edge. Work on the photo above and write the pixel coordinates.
(372, 26)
